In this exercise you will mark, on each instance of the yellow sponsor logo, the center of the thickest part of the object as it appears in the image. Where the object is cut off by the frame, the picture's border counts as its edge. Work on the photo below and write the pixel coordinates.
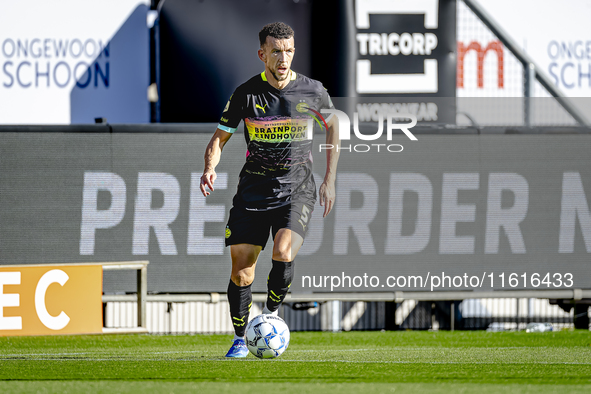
(262, 108)
(224, 119)
(279, 130)
(228, 232)
(289, 134)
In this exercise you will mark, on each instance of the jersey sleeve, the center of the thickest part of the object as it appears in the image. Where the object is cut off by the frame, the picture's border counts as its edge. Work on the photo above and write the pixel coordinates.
(326, 102)
(232, 114)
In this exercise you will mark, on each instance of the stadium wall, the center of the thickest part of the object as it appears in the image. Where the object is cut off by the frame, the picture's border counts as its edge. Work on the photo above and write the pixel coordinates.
(72, 197)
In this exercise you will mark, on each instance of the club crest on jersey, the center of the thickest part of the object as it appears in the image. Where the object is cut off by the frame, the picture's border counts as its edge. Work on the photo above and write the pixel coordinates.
(302, 107)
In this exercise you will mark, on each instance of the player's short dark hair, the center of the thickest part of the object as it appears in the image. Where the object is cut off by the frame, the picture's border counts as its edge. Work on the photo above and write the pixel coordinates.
(278, 30)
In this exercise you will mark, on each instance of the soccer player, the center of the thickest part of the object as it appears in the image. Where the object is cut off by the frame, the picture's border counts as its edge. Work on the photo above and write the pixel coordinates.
(276, 191)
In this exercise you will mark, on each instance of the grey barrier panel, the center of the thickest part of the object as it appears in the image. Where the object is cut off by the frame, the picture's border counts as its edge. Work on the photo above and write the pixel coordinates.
(46, 177)
(480, 210)
(446, 205)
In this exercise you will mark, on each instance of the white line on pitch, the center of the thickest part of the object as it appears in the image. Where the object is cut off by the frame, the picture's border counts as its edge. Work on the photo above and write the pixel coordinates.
(41, 354)
(396, 362)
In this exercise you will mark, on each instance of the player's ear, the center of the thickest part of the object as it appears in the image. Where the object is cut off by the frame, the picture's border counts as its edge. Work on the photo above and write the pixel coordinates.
(262, 55)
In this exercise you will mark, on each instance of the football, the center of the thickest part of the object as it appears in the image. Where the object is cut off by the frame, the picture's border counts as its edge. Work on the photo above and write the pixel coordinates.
(267, 336)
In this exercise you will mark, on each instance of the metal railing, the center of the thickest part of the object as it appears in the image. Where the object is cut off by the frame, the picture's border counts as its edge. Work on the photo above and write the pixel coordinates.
(140, 298)
(209, 313)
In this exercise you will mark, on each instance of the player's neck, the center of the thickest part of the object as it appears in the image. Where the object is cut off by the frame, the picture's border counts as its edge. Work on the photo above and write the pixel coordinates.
(275, 83)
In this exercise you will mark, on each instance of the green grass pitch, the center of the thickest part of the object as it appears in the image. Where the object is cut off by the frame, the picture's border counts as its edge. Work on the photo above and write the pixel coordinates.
(351, 362)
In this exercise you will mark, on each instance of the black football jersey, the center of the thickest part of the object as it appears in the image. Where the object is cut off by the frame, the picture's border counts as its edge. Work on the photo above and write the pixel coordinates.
(278, 127)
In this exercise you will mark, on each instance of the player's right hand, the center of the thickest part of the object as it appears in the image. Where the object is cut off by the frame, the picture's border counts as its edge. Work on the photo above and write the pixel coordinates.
(207, 179)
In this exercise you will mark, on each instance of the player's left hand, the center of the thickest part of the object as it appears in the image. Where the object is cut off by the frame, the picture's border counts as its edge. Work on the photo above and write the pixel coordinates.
(327, 196)
(207, 179)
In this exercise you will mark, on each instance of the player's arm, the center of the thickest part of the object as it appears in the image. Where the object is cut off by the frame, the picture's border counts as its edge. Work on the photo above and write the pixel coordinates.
(213, 153)
(327, 189)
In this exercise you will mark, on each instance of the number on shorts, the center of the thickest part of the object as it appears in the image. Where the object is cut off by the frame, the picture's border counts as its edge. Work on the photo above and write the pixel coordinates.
(304, 216)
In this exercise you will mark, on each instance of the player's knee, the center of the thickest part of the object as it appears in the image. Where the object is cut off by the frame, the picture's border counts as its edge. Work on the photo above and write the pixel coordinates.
(242, 278)
(282, 254)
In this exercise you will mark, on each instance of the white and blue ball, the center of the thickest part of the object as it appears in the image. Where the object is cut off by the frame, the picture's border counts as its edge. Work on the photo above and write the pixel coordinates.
(267, 336)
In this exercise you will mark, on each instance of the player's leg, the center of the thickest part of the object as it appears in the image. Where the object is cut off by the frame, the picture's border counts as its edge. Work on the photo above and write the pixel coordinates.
(285, 248)
(244, 258)
(246, 234)
(287, 242)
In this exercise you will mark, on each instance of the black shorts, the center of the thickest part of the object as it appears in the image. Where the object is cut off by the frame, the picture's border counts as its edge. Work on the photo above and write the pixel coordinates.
(253, 227)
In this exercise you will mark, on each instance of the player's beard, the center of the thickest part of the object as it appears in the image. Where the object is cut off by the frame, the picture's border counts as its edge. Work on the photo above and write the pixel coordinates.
(281, 77)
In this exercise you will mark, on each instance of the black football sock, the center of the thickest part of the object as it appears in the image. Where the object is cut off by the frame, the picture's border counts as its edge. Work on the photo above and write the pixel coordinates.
(278, 283)
(240, 299)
